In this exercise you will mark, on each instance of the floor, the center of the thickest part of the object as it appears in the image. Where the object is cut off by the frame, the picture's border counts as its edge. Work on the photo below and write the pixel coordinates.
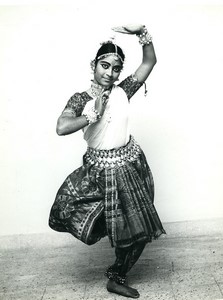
(185, 264)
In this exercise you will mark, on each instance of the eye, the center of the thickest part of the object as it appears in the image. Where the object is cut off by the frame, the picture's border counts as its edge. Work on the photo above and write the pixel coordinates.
(105, 66)
(117, 69)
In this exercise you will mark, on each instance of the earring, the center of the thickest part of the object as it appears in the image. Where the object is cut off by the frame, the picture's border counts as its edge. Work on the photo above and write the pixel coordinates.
(92, 64)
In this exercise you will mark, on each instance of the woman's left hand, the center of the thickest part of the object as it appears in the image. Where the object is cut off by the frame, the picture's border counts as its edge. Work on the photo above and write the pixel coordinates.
(129, 29)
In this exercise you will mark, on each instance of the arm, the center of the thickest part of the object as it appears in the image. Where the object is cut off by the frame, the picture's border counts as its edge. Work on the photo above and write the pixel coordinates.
(77, 114)
(71, 119)
(148, 62)
(68, 123)
(148, 57)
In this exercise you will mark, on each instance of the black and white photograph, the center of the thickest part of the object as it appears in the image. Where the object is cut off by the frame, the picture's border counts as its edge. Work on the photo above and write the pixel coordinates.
(111, 150)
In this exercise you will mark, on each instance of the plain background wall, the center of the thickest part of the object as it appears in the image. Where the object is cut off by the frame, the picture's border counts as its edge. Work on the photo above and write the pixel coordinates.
(45, 54)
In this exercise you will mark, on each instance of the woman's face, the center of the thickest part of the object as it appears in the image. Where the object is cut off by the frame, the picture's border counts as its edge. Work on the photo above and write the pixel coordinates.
(107, 71)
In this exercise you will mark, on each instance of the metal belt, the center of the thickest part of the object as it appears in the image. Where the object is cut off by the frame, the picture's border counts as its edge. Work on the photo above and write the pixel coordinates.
(113, 157)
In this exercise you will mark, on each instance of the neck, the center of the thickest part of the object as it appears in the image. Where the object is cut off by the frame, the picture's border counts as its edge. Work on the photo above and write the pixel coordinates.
(97, 89)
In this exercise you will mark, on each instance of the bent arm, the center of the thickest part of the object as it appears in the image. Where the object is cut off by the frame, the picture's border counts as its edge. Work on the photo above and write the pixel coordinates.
(145, 39)
(132, 83)
(78, 114)
(68, 123)
(148, 62)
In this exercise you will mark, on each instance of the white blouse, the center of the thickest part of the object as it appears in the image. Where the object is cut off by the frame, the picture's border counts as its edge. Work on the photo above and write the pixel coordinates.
(112, 130)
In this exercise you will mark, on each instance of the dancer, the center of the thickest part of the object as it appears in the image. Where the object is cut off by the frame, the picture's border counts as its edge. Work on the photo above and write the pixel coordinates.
(112, 193)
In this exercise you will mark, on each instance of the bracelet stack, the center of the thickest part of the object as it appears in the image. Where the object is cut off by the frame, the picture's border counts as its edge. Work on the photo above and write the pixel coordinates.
(92, 116)
(144, 37)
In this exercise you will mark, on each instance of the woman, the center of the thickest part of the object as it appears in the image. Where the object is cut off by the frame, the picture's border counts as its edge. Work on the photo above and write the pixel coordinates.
(112, 193)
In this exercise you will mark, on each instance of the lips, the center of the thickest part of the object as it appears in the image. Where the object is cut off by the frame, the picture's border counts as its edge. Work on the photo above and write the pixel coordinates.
(107, 80)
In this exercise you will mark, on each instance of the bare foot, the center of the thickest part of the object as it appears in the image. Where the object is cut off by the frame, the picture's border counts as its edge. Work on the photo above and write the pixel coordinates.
(122, 289)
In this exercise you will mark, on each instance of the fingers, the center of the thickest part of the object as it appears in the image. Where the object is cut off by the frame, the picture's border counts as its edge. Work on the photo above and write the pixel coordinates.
(128, 28)
(104, 99)
(121, 29)
(101, 102)
(106, 93)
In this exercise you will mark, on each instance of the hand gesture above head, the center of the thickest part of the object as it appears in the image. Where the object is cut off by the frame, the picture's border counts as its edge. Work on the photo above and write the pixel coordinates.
(129, 28)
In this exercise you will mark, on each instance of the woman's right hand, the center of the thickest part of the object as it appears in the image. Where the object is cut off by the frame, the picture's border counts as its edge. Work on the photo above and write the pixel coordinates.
(101, 102)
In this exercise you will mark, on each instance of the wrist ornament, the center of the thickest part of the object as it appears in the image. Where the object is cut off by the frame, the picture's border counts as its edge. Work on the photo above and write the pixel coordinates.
(144, 37)
(92, 116)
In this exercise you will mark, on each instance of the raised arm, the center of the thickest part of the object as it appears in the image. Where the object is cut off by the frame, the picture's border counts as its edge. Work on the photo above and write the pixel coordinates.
(148, 62)
(148, 57)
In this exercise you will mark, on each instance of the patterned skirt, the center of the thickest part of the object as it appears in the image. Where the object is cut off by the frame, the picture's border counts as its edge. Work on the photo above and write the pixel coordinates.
(111, 194)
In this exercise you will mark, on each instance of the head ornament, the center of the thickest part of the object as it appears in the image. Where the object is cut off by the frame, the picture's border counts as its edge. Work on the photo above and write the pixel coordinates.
(112, 52)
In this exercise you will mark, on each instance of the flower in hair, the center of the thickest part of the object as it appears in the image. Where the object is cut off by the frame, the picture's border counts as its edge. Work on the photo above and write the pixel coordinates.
(111, 40)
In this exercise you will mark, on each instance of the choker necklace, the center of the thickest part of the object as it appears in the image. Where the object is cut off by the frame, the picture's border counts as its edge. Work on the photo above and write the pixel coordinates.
(97, 89)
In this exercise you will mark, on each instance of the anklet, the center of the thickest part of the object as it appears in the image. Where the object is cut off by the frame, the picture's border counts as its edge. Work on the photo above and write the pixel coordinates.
(114, 276)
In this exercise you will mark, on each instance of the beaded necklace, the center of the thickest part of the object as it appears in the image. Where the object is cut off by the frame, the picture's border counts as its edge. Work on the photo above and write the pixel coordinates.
(96, 89)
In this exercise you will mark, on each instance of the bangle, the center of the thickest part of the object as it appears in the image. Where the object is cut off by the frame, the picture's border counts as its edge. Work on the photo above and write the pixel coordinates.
(92, 116)
(144, 37)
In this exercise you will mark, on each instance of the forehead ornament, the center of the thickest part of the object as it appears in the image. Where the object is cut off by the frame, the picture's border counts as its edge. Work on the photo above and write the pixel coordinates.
(115, 54)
